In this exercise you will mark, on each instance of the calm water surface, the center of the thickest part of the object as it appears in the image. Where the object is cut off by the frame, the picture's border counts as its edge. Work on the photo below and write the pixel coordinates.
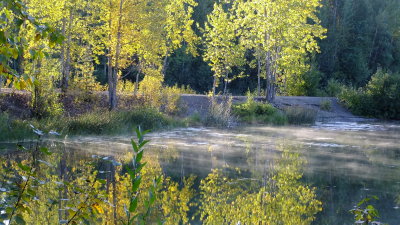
(346, 162)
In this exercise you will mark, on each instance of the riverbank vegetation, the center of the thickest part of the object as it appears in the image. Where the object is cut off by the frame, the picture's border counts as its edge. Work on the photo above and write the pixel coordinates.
(253, 112)
(258, 112)
(92, 123)
(380, 98)
(123, 56)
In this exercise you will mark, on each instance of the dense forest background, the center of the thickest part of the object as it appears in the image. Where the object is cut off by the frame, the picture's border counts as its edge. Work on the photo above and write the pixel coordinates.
(363, 35)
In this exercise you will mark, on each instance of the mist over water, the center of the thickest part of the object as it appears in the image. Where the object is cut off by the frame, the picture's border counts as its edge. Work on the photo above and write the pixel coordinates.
(345, 162)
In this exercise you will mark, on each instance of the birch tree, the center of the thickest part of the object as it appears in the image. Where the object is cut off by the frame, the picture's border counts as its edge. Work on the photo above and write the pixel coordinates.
(222, 51)
(283, 33)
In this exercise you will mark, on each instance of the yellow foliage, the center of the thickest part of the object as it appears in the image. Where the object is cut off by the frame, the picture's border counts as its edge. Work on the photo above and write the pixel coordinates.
(166, 99)
(282, 200)
(151, 89)
(86, 83)
(125, 87)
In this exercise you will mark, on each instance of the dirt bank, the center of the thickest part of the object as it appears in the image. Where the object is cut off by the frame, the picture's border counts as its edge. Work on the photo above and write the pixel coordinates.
(16, 102)
(337, 113)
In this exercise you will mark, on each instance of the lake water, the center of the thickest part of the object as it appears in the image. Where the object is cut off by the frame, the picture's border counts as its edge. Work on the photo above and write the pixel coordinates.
(344, 162)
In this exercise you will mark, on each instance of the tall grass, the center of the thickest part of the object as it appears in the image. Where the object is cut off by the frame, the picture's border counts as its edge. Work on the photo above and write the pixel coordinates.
(300, 115)
(116, 122)
(93, 123)
(219, 113)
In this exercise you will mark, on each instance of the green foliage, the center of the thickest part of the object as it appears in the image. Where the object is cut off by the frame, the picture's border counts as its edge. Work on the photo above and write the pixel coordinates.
(334, 88)
(222, 49)
(135, 172)
(14, 17)
(365, 213)
(193, 120)
(96, 122)
(45, 99)
(299, 115)
(306, 84)
(380, 98)
(257, 112)
(105, 122)
(325, 105)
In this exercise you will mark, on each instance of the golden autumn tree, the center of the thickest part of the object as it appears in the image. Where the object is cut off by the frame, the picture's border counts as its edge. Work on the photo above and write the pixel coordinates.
(283, 33)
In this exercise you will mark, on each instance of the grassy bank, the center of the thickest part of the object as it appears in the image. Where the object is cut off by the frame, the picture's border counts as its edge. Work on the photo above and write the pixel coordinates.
(252, 112)
(93, 123)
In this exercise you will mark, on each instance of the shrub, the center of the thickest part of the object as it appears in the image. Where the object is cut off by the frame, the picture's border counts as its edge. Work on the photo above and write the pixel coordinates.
(171, 103)
(86, 83)
(165, 99)
(125, 87)
(300, 115)
(326, 105)
(333, 88)
(306, 84)
(193, 120)
(45, 101)
(380, 98)
(257, 112)
(219, 113)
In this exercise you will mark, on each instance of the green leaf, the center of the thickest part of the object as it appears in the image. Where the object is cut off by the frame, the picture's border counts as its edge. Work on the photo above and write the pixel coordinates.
(140, 167)
(45, 151)
(136, 184)
(143, 143)
(133, 205)
(130, 172)
(31, 192)
(102, 181)
(146, 132)
(139, 156)
(23, 167)
(3, 38)
(19, 219)
(134, 145)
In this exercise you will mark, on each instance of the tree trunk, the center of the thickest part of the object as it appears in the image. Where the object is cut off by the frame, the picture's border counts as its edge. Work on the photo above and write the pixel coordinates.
(20, 63)
(137, 80)
(165, 64)
(111, 89)
(67, 59)
(214, 85)
(225, 84)
(258, 76)
(36, 90)
(270, 85)
(114, 79)
(63, 56)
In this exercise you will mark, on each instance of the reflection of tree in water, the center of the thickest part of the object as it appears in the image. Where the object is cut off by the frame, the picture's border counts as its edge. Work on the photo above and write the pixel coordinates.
(77, 187)
(279, 198)
(95, 191)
